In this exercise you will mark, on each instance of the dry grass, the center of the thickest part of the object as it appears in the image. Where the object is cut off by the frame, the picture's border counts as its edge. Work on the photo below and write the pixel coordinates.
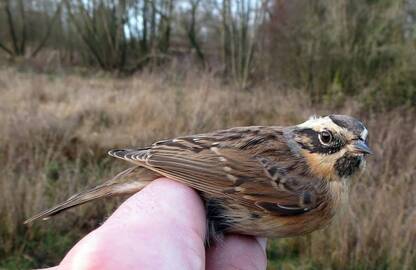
(55, 131)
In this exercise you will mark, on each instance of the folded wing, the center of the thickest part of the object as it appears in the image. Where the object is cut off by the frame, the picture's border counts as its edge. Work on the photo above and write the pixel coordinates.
(238, 174)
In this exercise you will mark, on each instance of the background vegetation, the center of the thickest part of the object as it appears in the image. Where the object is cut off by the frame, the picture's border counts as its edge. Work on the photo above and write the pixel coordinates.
(80, 77)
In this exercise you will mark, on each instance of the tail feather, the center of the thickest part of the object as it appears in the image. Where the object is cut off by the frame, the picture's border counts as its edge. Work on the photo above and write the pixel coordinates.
(126, 182)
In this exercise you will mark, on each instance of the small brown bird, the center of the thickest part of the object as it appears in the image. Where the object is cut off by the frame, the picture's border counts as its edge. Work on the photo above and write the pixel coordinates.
(264, 181)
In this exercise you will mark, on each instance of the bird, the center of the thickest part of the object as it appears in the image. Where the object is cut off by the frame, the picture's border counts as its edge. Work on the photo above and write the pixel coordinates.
(268, 181)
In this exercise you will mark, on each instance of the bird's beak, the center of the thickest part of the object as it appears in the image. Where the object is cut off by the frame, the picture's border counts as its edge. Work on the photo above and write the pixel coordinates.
(361, 147)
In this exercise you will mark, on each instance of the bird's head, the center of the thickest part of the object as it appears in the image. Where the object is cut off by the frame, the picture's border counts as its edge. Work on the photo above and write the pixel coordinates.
(333, 146)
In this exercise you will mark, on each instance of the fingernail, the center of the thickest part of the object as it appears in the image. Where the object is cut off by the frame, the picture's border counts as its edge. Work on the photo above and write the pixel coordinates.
(262, 241)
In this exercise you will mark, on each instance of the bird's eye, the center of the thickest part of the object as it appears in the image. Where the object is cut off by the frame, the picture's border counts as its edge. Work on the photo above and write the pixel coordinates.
(325, 137)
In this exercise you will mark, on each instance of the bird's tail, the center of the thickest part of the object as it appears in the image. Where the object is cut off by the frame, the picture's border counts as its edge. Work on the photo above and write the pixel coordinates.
(127, 182)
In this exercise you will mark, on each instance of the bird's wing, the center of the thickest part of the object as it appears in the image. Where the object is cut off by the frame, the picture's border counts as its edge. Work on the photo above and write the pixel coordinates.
(228, 172)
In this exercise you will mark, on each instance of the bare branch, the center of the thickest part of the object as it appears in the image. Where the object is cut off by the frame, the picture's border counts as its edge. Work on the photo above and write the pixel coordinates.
(4, 48)
(11, 28)
(22, 47)
(48, 30)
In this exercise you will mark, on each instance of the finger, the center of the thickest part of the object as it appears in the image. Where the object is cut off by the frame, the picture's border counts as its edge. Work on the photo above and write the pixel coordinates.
(237, 252)
(161, 227)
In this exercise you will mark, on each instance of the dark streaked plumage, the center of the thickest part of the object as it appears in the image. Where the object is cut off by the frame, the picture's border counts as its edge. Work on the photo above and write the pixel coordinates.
(265, 181)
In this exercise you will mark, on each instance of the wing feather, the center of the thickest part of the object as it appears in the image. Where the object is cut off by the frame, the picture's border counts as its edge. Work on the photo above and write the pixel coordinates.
(237, 173)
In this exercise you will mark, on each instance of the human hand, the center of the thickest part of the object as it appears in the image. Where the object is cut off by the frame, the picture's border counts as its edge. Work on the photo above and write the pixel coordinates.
(162, 227)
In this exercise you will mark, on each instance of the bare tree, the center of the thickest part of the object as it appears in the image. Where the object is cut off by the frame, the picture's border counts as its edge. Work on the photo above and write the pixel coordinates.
(17, 47)
(17, 19)
(48, 32)
(100, 25)
(240, 21)
(189, 23)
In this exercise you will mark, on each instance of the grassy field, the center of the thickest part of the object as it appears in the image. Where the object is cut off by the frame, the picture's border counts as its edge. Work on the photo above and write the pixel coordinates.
(56, 129)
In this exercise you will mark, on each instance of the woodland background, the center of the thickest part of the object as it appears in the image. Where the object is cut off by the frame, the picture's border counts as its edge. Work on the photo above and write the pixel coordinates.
(78, 77)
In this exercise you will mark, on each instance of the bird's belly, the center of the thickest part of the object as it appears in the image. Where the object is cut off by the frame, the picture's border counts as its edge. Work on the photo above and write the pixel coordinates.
(281, 226)
(231, 217)
(241, 220)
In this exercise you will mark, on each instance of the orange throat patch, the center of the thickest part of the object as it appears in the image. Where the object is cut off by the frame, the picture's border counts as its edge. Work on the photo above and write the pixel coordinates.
(321, 167)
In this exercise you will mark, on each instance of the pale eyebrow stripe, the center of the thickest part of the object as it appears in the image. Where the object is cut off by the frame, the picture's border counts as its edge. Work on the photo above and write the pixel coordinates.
(364, 134)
